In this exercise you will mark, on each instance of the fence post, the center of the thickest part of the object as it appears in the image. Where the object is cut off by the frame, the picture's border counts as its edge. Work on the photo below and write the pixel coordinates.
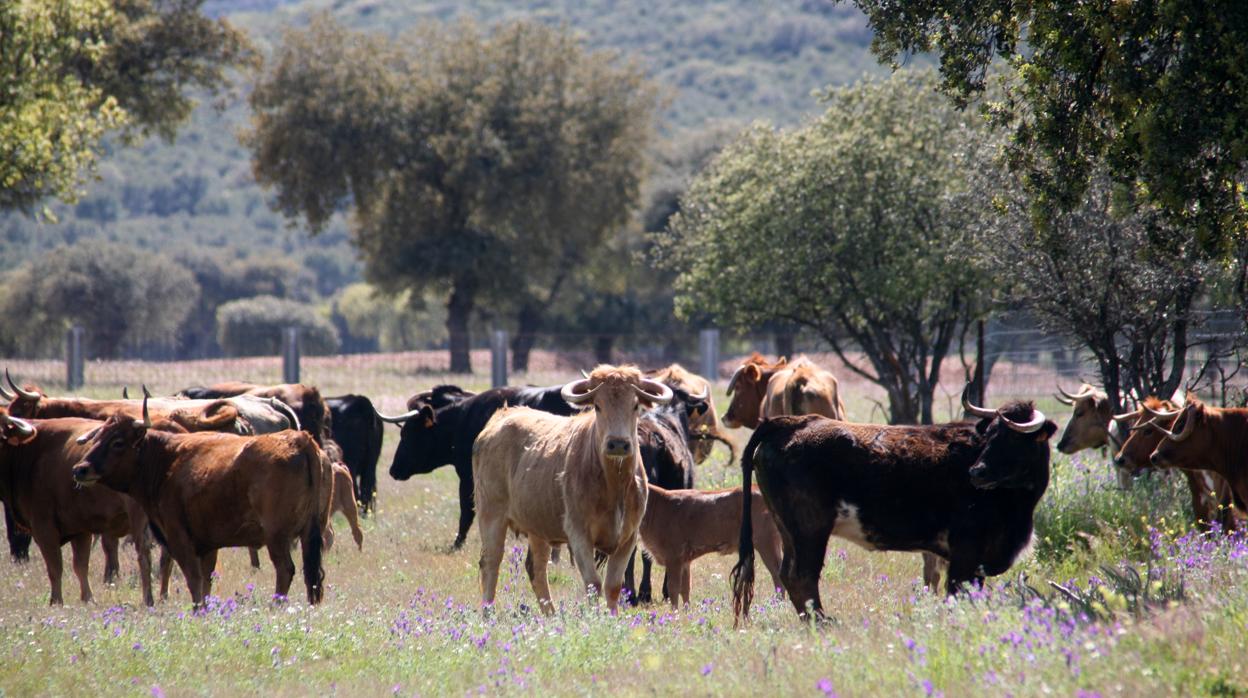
(498, 358)
(290, 355)
(708, 345)
(73, 358)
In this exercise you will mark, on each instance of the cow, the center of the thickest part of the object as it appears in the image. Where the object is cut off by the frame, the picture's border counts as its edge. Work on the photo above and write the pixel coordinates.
(577, 480)
(358, 431)
(703, 420)
(206, 491)
(760, 390)
(344, 503)
(1211, 494)
(682, 525)
(433, 437)
(965, 492)
(37, 487)
(305, 400)
(1092, 425)
(438, 397)
(1208, 438)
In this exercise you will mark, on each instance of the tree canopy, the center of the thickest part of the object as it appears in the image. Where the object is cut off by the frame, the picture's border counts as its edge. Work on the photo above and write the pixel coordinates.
(844, 227)
(71, 71)
(1157, 92)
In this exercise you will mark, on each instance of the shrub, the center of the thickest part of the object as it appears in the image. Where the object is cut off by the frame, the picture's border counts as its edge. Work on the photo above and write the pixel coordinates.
(253, 327)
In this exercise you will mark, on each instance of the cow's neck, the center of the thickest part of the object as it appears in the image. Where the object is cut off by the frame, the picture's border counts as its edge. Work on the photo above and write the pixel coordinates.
(1229, 456)
(156, 455)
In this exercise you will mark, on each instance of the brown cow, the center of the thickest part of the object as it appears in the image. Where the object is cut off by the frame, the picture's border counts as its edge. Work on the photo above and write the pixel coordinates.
(577, 480)
(765, 390)
(702, 423)
(682, 525)
(305, 400)
(1211, 495)
(1093, 424)
(207, 491)
(35, 482)
(344, 503)
(1212, 438)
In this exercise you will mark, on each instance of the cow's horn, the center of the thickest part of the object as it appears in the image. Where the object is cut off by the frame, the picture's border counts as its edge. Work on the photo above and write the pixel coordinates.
(1161, 414)
(24, 393)
(584, 374)
(1188, 427)
(981, 412)
(89, 435)
(1028, 427)
(1078, 396)
(1126, 415)
(6, 394)
(702, 396)
(573, 395)
(663, 396)
(147, 417)
(732, 381)
(25, 428)
(398, 419)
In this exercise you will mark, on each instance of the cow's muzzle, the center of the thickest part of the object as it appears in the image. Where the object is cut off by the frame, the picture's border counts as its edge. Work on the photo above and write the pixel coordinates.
(618, 447)
(83, 475)
(979, 480)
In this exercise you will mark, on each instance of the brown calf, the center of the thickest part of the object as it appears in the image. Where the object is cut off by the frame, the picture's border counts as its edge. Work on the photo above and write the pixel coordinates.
(344, 503)
(682, 525)
(207, 491)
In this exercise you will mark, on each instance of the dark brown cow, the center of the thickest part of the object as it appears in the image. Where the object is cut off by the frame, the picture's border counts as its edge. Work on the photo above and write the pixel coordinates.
(207, 491)
(1211, 494)
(1210, 438)
(35, 482)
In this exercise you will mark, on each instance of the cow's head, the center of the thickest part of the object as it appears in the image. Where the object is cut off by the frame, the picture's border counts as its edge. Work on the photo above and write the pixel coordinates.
(698, 405)
(438, 397)
(23, 402)
(1143, 437)
(1089, 424)
(1188, 441)
(747, 387)
(15, 431)
(1016, 445)
(114, 454)
(618, 395)
(424, 442)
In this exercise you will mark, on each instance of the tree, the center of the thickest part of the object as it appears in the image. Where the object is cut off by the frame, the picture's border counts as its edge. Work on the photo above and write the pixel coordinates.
(843, 227)
(483, 165)
(73, 70)
(123, 296)
(1155, 93)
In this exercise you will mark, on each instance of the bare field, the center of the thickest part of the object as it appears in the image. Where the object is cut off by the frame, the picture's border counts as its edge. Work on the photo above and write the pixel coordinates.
(402, 616)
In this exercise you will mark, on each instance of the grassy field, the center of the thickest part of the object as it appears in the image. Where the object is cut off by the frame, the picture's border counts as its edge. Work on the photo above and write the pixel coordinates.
(402, 616)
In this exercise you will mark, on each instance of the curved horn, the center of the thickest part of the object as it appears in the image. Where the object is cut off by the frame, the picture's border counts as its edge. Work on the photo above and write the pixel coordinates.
(702, 396)
(663, 397)
(89, 435)
(981, 412)
(1160, 414)
(399, 419)
(24, 393)
(1078, 396)
(1188, 428)
(732, 381)
(147, 417)
(6, 394)
(572, 395)
(1063, 400)
(24, 428)
(1126, 415)
(584, 374)
(1028, 427)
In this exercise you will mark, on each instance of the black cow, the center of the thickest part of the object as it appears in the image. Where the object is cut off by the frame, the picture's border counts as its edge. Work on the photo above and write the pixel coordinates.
(964, 491)
(358, 431)
(432, 437)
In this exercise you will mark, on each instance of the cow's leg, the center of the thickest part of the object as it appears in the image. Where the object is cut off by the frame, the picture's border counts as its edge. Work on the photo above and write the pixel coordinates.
(208, 564)
(645, 593)
(933, 565)
(675, 577)
(539, 550)
(80, 547)
(143, 551)
(254, 553)
(112, 564)
(630, 582)
(771, 554)
(800, 572)
(466, 509)
(583, 556)
(686, 582)
(493, 541)
(283, 565)
(49, 543)
(615, 572)
(327, 537)
(166, 572)
(19, 540)
(963, 568)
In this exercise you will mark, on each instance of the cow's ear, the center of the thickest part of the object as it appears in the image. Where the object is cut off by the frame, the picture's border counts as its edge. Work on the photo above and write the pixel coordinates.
(753, 372)
(981, 426)
(427, 414)
(1046, 432)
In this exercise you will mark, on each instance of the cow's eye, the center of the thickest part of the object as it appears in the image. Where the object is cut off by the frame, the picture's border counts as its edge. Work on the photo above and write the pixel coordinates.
(116, 443)
(597, 408)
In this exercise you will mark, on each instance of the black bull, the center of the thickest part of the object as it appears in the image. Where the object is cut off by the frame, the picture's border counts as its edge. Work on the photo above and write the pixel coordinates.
(964, 491)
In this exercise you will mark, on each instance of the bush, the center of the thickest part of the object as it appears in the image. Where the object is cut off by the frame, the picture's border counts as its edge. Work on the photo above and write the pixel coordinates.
(253, 327)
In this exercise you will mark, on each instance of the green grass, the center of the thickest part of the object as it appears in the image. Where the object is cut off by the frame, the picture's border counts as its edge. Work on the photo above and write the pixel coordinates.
(402, 616)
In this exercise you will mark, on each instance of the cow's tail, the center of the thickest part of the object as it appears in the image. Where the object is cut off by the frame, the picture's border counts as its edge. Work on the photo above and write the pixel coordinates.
(313, 535)
(743, 572)
(368, 469)
(795, 394)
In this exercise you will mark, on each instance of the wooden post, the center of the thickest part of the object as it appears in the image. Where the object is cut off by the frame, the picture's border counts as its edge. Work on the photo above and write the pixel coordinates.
(74, 364)
(498, 358)
(708, 344)
(290, 355)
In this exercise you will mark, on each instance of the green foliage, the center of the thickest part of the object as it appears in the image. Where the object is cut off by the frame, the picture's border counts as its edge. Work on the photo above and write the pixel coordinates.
(1156, 90)
(844, 227)
(392, 324)
(253, 327)
(124, 297)
(73, 70)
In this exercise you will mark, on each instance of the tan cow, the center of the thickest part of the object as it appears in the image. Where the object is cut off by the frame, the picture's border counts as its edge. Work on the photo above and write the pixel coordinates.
(207, 491)
(764, 390)
(682, 525)
(1092, 425)
(701, 424)
(577, 480)
(345, 504)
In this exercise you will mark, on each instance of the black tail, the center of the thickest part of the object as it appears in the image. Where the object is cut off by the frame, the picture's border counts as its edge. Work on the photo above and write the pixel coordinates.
(368, 468)
(743, 572)
(313, 538)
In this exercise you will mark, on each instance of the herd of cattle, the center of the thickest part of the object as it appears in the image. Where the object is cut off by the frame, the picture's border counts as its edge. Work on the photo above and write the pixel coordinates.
(604, 465)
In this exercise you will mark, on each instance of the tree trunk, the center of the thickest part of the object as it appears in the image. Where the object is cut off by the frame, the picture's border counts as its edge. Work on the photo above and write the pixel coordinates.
(603, 344)
(458, 313)
(784, 344)
(528, 322)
